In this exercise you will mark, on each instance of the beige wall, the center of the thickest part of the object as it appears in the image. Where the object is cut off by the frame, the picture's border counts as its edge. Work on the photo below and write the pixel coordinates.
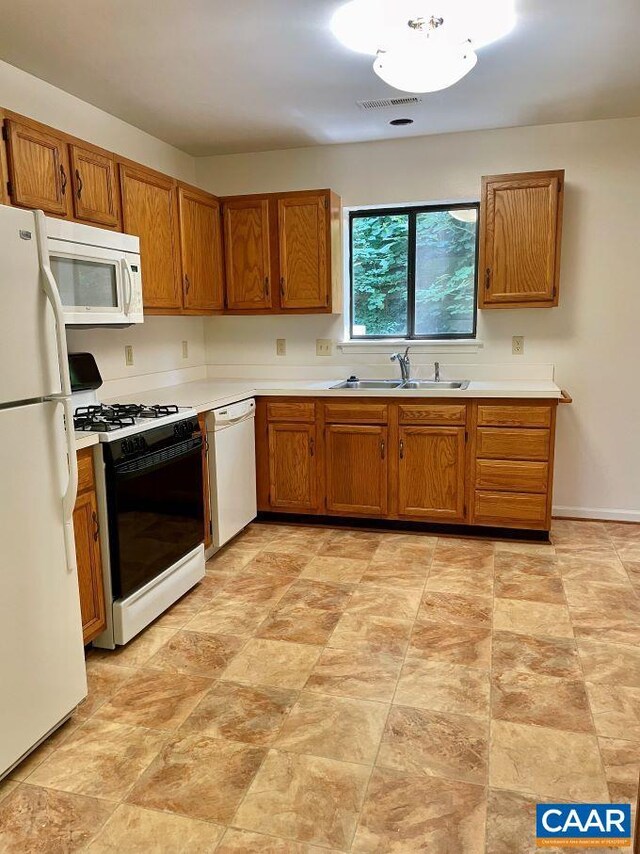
(593, 338)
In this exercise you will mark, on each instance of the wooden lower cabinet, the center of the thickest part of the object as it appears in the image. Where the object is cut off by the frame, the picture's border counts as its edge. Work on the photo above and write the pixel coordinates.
(86, 528)
(431, 472)
(292, 467)
(356, 469)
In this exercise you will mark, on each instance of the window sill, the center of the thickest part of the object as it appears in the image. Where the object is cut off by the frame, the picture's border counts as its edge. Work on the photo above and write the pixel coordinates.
(450, 345)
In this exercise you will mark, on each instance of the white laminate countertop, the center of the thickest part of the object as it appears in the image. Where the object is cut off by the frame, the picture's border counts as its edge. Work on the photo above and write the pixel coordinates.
(204, 395)
(85, 440)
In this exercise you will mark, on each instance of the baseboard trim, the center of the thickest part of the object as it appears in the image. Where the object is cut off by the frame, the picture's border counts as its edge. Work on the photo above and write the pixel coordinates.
(596, 514)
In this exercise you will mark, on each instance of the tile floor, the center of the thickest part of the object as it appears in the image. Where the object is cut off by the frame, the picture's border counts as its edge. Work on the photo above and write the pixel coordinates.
(351, 691)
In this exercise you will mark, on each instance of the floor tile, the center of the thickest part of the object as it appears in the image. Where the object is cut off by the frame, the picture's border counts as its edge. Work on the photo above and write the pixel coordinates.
(136, 652)
(353, 673)
(443, 687)
(466, 553)
(435, 744)
(365, 632)
(265, 590)
(610, 664)
(621, 761)
(550, 763)
(231, 560)
(305, 798)
(229, 617)
(300, 624)
(138, 831)
(43, 820)
(198, 777)
(247, 713)
(398, 604)
(245, 842)
(609, 571)
(456, 608)
(511, 825)
(406, 548)
(520, 548)
(531, 654)
(616, 710)
(507, 564)
(273, 662)
(632, 568)
(532, 618)
(155, 698)
(410, 812)
(457, 578)
(277, 564)
(318, 594)
(547, 701)
(536, 588)
(470, 645)
(341, 570)
(101, 759)
(352, 545)
(605, 612)
(196, 653)
(7, 786)
(334, 727)
(395, 573)
(48, 746)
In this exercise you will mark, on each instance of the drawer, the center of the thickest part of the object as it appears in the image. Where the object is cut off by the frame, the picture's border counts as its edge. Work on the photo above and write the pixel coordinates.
(436, 413)
(503, 444)
(86, 479)
(512, 475)
(510, 508)
(279, 410)
(356, 413)
(514, 416)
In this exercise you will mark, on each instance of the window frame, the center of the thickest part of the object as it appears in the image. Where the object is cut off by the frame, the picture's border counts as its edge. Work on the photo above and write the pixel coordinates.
(412, 211)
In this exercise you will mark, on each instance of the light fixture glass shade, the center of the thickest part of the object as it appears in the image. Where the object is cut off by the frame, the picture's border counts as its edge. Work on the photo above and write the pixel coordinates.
(360, 25)
(464, 214)
(480, 22)
(424, 65)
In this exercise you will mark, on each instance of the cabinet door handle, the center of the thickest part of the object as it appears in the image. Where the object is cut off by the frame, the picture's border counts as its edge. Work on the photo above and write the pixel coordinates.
(187, 283)
(382, 449)
(63, 175)
(266, 286)
(96, 526)
(487, 278)
(80, 185)
(312, 446)
(401, 449)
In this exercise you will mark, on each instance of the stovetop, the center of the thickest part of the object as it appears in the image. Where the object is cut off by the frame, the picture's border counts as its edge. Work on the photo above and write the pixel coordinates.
(120, 419)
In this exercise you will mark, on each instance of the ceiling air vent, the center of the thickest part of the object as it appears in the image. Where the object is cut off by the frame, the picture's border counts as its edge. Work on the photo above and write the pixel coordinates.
(383, 103)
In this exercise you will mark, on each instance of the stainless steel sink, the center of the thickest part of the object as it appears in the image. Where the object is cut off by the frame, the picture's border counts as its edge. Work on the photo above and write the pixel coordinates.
(359, 384)
(418, 384)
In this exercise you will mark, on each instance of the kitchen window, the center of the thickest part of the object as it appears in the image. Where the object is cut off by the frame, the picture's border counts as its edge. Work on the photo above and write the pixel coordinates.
(414, 272)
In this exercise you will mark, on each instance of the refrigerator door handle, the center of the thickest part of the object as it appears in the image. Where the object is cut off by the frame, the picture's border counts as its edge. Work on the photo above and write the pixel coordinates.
(71, 492)
(53, 295)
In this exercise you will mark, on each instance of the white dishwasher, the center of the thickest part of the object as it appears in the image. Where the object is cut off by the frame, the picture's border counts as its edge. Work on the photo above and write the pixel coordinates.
(232, 469)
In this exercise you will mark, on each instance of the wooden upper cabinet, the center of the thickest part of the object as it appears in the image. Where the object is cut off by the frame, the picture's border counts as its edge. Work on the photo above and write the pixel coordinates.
(95, 190)
(38, 166)
(247, 254)
(356, 469)
(292, 466)
(150, 210)
(431, 472)
(305, 280)
(201, 248)
(520, 234)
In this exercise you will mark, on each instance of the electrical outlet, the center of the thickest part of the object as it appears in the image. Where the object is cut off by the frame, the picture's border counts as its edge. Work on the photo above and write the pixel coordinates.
(281, 346)
(517, 345)
(185, 349)
(128, 355)
(324, 347)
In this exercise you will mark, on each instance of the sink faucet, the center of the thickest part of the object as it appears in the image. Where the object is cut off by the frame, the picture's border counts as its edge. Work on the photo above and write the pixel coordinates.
(436, 372)
(405, 364)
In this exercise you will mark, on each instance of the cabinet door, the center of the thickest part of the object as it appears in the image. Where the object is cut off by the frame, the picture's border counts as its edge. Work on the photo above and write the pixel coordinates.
(38, 169)
(86, 529)
(247, 255)
(93, 177)
(520, 231)
(201, 246)
(356, 473)
(304, 265)
(150, 210)
(292, 466)
(431, 472)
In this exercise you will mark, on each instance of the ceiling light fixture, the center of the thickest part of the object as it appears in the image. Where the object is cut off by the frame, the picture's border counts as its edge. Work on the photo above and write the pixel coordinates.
(422, 45)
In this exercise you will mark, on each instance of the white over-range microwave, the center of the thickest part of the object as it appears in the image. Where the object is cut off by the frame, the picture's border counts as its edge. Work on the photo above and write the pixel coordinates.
(97, 272)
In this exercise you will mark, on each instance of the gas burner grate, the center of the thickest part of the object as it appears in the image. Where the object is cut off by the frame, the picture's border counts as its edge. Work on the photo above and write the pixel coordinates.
(157, 411)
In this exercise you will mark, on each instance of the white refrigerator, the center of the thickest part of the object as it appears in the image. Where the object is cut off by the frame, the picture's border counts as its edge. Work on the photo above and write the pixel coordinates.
(42, 671)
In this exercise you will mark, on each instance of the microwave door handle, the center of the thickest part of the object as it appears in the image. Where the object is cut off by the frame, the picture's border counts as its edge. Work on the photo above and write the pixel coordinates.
(128, 278)
(53, 295)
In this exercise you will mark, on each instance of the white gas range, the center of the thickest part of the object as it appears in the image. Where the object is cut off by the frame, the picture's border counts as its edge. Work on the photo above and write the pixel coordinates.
(150, 497)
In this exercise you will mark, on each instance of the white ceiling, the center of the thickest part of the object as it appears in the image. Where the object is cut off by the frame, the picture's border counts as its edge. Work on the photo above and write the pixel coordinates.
(218, 76)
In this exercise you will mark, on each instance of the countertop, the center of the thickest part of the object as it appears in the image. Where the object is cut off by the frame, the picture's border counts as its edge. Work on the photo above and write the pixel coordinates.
(203, 395)
(85, 440)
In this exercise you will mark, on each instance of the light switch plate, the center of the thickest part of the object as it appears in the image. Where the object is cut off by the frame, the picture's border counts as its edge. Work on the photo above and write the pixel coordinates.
(324, 347)
(128, 355)
(517, 345)
(281, 346)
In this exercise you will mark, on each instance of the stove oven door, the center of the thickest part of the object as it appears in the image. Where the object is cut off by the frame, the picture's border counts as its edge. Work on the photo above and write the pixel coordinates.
(156, 513)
